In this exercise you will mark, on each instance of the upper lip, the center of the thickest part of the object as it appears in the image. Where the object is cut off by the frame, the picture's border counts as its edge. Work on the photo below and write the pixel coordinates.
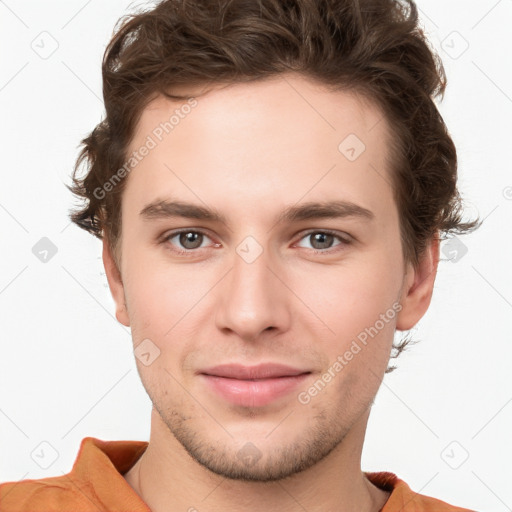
(260, 371)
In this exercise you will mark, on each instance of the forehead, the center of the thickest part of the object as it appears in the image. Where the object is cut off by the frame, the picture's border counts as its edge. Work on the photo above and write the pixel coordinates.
(259, 105)
(280, 139)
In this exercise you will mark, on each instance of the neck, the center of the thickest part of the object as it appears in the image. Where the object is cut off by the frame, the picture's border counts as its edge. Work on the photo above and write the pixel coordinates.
(167, 478)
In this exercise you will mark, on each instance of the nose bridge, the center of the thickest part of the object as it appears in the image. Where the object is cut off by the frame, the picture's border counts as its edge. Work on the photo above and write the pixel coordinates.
(253, 299)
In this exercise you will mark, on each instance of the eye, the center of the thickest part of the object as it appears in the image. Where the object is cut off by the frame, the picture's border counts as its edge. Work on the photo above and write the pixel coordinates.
(186, 240)
(322, 240)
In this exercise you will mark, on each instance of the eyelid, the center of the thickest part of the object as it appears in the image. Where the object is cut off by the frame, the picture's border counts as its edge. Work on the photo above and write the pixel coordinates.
(166, 237)
(344, 240)
(344, 237)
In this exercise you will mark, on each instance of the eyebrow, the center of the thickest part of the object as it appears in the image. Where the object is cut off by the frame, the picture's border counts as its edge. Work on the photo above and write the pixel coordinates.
(164, 209)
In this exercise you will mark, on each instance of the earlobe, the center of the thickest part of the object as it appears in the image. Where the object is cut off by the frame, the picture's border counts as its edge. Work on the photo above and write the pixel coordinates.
(115, 284)
(418, 287)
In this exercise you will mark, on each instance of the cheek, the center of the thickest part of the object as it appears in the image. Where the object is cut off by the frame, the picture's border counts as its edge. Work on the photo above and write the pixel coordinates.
(166, 304)
(356, 302)
(160, 292)
(350, 296)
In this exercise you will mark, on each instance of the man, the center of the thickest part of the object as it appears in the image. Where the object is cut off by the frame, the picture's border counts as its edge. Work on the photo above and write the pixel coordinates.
(270, 182)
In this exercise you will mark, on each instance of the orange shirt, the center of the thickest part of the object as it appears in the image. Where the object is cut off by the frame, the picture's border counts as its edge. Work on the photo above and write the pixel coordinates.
(96, 484)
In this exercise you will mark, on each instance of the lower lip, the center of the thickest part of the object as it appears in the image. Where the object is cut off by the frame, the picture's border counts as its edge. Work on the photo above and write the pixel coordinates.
(253, 393)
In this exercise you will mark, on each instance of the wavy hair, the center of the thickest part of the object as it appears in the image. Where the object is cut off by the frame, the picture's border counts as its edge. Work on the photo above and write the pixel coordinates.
(375, 48)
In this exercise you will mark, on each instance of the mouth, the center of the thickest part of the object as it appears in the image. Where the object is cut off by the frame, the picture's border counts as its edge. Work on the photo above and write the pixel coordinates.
(253, 386)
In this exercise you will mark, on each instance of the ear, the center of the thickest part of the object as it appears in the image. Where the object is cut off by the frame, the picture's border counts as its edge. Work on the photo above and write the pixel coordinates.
(418, 287)
(115, 284)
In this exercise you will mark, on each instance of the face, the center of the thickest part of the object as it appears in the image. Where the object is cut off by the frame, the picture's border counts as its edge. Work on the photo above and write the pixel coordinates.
(260, 230)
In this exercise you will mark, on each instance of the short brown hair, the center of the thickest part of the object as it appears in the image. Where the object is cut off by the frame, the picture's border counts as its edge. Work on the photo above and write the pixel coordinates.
(374, 48)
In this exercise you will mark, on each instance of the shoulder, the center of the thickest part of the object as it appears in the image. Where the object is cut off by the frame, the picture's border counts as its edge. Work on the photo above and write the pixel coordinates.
(94, 483)
(403, 499)
(48, 494)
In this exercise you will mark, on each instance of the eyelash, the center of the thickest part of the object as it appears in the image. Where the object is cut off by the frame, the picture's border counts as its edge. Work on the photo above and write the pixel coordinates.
(190, 252)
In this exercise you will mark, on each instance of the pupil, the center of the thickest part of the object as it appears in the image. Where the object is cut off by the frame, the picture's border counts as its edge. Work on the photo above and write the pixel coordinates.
(324, 239)
(190, 240)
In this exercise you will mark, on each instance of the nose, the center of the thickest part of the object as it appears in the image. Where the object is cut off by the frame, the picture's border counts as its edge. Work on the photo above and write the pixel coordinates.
(253, 298)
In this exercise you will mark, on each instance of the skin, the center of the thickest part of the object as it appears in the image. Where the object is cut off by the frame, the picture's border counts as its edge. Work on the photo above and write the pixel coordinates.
(249, 151)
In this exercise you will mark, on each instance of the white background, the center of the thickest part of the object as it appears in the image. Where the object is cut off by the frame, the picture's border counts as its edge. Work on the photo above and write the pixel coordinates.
(66, 366)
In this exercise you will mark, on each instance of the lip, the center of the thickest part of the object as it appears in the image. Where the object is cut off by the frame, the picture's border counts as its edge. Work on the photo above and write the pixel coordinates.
(260, 371)
(253, 386)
